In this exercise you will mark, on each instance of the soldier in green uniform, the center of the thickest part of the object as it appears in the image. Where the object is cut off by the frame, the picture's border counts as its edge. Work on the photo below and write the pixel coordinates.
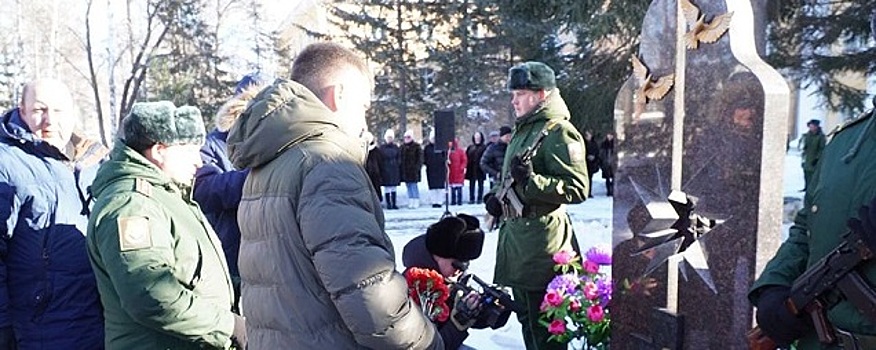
(841, 193)
(161, 273)
(555, 176)
(813, 142)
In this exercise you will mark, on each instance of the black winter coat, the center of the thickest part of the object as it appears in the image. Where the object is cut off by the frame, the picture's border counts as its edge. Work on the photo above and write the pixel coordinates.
(608, 158)
(415, 254)
(593, 160)
(473, 170)
(412, 161)
(390, 165)
(372, 167)
(436, 166)
(491, 161)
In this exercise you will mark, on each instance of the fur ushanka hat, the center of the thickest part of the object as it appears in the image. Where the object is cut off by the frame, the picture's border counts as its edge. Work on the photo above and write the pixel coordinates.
(162, 122)
(456, 237)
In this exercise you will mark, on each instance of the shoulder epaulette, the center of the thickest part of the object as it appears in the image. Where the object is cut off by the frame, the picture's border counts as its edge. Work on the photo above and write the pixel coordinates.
(850, 122)
(143, 187)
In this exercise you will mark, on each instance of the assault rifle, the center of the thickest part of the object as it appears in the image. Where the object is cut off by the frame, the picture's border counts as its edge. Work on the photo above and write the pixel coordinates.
(838, 270)
(512, 206)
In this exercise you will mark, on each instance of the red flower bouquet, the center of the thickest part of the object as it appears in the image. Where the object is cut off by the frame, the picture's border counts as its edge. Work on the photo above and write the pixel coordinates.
(427, 288)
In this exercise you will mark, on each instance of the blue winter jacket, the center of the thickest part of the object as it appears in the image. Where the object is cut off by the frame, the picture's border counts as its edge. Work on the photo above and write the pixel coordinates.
(218, 187)
(48, 292)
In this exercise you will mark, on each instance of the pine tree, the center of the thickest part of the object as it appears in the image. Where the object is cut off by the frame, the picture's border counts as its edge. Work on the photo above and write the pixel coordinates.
(189, 73)
(815, 42)
(390, 34)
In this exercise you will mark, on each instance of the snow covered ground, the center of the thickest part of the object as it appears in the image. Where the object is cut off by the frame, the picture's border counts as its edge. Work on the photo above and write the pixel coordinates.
(592, 220)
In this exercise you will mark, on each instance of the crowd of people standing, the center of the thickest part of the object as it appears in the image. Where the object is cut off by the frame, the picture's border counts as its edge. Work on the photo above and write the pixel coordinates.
(172, 236)
(390, 164)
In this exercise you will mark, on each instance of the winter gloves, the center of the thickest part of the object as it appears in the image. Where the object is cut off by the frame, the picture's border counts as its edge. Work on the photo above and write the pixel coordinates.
(776, 320)
(493, 206)
(520, 170)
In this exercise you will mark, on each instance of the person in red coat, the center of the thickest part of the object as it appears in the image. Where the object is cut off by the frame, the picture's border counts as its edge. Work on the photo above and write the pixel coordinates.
(456, 177)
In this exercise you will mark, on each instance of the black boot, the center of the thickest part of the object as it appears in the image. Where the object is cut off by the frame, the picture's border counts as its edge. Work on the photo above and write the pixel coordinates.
(609, 187)
(387, 200)
(392, 198)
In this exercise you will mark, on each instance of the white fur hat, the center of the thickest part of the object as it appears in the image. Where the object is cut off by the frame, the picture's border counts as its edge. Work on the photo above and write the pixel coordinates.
(389, 133)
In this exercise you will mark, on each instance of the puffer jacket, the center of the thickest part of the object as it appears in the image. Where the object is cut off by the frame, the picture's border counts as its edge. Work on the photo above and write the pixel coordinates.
(168, 291)
(457, 164)
(411, 161)
(48, 291)
(318, 270)
(491, 161)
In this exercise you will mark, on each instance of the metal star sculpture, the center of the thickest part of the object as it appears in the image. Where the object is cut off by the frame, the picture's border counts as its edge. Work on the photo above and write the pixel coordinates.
(674, 228)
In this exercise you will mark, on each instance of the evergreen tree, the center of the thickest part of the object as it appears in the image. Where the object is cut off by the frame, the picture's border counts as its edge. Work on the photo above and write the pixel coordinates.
(391, 34)
(189, 73)
(815, 42)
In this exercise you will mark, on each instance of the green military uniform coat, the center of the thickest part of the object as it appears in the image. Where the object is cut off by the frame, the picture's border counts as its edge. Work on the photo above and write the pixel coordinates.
(160, 270)
(527, 244)
(813, 145)
(844, 180)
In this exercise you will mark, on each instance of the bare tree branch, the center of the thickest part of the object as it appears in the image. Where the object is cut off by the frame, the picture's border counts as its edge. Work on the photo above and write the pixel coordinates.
(95, 88)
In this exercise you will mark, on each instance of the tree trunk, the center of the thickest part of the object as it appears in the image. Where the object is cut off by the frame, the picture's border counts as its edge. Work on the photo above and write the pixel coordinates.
(403, 70)
(95, 87)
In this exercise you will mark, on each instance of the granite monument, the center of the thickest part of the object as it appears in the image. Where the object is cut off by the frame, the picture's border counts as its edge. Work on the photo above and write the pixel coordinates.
(698, 202)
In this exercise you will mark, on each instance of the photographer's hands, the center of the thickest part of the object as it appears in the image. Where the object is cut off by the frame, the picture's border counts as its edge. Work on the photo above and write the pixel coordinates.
(465, 306)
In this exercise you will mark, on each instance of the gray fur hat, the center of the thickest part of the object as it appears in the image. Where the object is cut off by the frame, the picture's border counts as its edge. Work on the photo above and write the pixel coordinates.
(531, 75)
(161, 122)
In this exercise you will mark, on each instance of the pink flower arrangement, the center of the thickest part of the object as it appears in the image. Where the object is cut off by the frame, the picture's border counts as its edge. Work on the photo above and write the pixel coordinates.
(595, 313)
(576, 302)
(563, 257)
(553, 298)
(557, 327)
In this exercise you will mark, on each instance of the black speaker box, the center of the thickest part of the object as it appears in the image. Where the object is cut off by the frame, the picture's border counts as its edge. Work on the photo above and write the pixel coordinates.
(444, 129)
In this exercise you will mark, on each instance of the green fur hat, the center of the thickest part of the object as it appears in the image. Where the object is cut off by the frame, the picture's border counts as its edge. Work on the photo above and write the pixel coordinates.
(531, 76)
(161, 122)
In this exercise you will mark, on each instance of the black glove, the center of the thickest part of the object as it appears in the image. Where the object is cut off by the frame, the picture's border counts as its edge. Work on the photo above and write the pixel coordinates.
(776, 320)
(7, 339)
(520, 171)
(238, 336)
(865, 224)
(494, 207)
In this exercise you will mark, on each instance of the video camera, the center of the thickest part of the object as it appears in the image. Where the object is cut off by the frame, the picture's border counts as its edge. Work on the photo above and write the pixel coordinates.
(494, 304)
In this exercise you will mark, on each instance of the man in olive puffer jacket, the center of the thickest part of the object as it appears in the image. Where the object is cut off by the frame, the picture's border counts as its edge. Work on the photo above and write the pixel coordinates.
(317, 269)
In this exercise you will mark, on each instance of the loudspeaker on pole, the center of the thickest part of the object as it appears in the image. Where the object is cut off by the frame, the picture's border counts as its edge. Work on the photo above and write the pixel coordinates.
(445, 129)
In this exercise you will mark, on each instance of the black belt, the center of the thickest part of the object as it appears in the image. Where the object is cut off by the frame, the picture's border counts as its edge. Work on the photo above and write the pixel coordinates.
(855, 341)
(534, 211)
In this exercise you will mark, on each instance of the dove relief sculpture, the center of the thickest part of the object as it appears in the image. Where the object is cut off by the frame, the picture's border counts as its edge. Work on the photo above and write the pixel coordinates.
(648, 88)
(700, 31)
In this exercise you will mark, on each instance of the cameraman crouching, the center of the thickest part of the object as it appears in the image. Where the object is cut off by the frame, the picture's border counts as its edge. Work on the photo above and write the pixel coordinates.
(447, 247)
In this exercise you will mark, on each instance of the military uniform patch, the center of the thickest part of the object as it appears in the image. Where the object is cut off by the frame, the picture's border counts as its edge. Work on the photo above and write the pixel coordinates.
(576, 152)
(134, 233)
(143, 187)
